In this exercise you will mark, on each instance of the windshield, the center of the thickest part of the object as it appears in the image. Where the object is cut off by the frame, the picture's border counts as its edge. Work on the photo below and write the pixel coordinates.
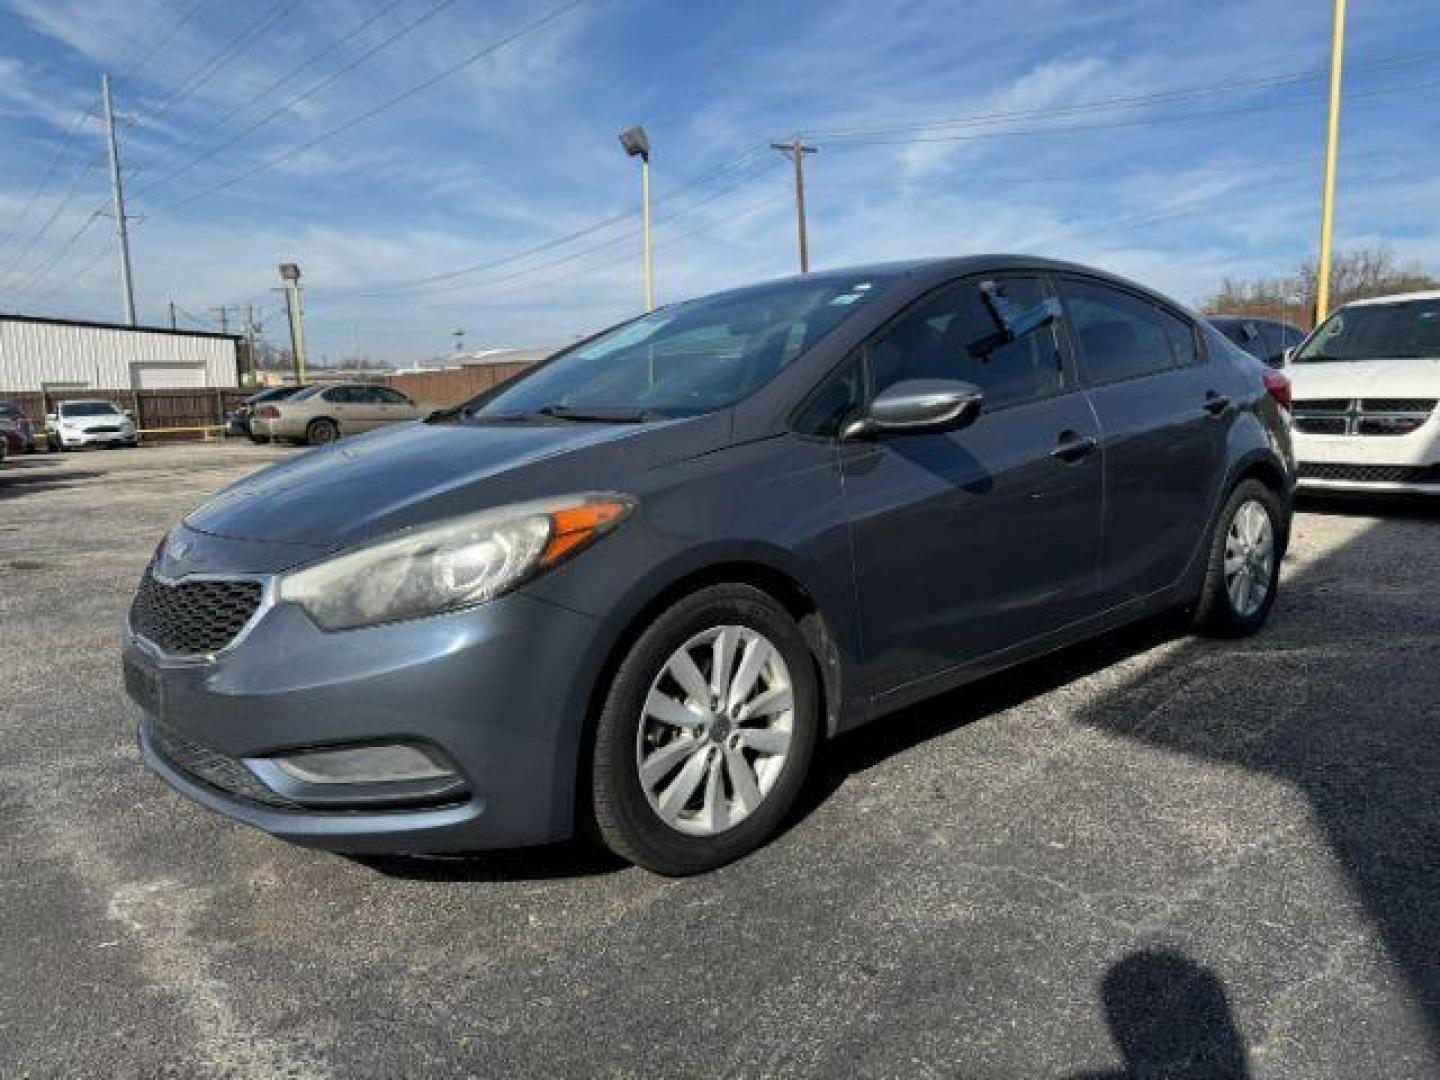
(687, 359)
(88, 408)
(1375, 332)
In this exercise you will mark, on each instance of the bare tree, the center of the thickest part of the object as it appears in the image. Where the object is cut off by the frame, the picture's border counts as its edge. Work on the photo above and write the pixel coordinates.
(1354, 275)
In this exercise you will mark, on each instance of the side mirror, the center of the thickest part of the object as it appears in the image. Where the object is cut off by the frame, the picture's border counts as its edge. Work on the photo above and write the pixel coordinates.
(919, 406)
(1288, 355)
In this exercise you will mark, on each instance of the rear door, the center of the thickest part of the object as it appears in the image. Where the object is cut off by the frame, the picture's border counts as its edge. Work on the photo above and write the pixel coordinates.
(972, 541)
(391, 406)
(1163, 417)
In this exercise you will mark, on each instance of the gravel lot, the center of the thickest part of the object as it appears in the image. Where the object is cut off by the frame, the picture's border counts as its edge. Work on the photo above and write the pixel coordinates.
(1152, 856)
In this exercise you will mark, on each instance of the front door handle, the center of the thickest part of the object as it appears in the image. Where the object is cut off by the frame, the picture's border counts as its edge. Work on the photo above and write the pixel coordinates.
(1073, 447)
(1215, 404)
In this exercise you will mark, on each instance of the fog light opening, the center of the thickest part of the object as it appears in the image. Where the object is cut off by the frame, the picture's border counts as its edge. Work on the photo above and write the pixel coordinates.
(388, 764)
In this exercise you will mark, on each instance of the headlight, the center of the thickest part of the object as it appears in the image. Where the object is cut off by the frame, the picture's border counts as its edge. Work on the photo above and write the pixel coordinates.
(453, 564)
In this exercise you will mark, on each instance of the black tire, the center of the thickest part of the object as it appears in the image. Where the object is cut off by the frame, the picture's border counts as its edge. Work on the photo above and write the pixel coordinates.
(1216, 614)
(627, 823)
(258, 440)
(322, 431)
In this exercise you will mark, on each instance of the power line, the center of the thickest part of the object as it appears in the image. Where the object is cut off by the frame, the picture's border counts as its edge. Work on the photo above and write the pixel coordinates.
(424, 84)
(19, 258)
(1052, 129)
(239, 108)
(626, 236)
(1127, 101)
(60, 152)
(140, 63)
(388, 288)
(222, 59)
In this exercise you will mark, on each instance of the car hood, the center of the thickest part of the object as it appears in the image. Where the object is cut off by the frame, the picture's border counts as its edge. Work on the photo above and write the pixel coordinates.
(416, 473)
(1365, 378)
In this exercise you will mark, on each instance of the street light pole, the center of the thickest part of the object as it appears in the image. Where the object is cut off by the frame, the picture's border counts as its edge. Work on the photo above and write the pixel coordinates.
(637, 144)
(798, 150)
(295, 308)
(1332, 150)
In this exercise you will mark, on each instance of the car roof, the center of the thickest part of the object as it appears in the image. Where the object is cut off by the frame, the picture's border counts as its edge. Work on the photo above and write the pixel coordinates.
(88, 401)
(1396, 298)
(936, 271)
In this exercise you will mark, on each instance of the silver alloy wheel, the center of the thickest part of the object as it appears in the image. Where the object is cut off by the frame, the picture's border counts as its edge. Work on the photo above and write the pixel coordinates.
(1249, 558)
(716, 730)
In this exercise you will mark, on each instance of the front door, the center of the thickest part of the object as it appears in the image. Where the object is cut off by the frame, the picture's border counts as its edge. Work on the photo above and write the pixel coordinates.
(970, 542)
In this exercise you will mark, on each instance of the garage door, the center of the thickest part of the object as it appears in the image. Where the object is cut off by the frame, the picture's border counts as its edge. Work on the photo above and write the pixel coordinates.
(168, 376)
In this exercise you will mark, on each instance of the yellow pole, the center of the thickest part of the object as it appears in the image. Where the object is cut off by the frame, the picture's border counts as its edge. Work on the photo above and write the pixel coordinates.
(1332, 149)
(645, 213)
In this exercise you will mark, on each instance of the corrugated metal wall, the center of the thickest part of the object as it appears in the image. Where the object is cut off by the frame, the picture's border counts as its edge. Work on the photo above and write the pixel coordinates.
(33, 354)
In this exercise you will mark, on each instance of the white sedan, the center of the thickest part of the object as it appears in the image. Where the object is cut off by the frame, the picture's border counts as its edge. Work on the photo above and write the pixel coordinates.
(76, 424)
(1366, 385)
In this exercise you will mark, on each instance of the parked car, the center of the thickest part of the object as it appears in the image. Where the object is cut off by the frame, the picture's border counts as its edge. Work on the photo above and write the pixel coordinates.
(91, 422)
(322, 414)
(1264, 339)
(16, 430)
(639, 583)
(238, 422)
(1366, 386)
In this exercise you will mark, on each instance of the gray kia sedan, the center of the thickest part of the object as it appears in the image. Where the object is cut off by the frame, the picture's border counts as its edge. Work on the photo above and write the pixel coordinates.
(636, 588)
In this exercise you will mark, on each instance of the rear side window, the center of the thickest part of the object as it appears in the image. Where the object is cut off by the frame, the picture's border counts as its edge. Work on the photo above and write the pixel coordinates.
(952, 335)
(390, 397)
(1123, 336)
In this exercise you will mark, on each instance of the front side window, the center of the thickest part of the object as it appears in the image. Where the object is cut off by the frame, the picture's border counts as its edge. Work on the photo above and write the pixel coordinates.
(840, 398)
(1123, 336)
(953, 335)
(1407, 330)
(690, 358)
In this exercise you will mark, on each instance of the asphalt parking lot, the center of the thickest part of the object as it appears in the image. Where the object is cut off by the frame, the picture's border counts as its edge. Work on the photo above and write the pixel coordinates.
(1152, 856)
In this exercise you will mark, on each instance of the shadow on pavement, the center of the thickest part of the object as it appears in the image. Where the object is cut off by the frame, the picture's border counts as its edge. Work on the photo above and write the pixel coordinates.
(32, 475)
(1169, 1018)
(570, 859)
(1339, 699)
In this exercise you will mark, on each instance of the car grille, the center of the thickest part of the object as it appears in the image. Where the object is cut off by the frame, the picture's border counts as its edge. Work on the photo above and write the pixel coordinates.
(193, 617)
(1371, 474)
(102, 431)
(213, 768)
(1362, 416)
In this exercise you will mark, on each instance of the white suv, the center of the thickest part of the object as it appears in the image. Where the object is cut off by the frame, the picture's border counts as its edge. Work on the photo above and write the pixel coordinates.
(1366, 385)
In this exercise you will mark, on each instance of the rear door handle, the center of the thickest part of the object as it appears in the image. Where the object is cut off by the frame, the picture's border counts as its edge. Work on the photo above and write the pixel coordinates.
(1073, 447)
(1215, 404)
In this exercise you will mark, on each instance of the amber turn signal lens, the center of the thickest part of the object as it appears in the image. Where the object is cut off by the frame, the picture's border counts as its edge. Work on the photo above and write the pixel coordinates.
(575, 527)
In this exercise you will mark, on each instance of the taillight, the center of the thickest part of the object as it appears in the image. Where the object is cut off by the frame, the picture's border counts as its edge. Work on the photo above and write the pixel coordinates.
(270, 412)
(1278, 387)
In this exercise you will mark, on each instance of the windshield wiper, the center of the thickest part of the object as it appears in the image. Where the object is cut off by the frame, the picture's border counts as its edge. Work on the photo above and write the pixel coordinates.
(600, 415)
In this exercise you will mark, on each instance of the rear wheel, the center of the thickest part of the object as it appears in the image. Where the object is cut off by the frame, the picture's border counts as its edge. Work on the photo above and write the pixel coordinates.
(706, 733)
(1243, 573)
(320, 432)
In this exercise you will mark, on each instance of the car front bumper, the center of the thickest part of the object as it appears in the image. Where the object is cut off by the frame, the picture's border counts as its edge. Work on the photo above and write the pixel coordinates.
(500, 690)
(76, 439)
(1380, 463)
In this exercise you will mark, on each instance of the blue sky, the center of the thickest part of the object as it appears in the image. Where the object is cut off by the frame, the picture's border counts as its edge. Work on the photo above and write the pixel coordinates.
(943, 127)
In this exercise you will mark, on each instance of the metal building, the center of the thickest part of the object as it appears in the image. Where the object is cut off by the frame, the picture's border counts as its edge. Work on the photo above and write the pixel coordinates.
(54, 354)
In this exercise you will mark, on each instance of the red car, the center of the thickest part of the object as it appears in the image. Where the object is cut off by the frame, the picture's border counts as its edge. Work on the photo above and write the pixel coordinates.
(15, 427)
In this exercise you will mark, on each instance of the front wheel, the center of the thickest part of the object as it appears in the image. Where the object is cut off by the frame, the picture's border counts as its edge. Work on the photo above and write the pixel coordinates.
(1243, 573)
(706, 732)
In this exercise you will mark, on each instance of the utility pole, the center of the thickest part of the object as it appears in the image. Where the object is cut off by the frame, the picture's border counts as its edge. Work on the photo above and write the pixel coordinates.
(172, 314)
(797, 149)
(295, 309)
(117, 199)
(223, 312)
(1332, 152)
